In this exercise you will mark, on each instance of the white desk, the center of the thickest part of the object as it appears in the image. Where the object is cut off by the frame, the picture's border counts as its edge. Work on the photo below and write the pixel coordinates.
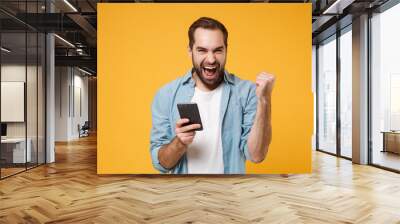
(18, 149)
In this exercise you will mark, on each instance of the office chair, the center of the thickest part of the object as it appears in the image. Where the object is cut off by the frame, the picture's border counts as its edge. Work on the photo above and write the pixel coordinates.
(84, 130)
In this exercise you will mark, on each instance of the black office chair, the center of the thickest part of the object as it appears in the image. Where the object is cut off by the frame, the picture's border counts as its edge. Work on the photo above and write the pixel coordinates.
(84, 130)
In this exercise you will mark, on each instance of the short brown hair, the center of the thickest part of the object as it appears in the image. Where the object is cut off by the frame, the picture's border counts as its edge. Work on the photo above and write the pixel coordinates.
(207, 23)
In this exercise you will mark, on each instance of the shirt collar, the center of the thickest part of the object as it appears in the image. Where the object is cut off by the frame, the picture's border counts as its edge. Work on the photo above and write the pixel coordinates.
(187, 78)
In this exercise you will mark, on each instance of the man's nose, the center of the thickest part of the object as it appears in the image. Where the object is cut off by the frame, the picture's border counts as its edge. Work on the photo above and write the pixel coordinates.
(210, 58)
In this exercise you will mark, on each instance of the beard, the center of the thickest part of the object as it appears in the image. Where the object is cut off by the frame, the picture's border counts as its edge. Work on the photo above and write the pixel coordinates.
(210, 75)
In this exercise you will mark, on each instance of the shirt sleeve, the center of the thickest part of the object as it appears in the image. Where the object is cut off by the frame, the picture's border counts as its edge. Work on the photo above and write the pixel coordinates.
(161, 130)
(249, 113)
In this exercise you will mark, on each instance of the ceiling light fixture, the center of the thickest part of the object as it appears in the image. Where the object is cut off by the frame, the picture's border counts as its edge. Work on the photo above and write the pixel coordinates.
(71, 6)
(84, 71)
(64, 40)
(5, 50)
(337, 7)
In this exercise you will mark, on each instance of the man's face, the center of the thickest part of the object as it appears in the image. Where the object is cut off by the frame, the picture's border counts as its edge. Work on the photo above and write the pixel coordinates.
(209, 56)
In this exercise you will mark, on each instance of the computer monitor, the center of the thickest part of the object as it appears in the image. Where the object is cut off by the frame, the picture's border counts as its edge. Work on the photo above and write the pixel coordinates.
(3, 129)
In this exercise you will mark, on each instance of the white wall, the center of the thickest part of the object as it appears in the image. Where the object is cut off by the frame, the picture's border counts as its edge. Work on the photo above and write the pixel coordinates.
(62, 78)
(81, 84)
(71, 93)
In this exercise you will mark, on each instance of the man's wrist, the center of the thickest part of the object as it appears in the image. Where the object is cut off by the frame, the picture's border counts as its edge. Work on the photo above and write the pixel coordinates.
(180, 145)
(264, 101)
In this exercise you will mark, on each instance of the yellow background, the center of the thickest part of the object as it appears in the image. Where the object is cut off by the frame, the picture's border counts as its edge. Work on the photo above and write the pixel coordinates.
(144, 46)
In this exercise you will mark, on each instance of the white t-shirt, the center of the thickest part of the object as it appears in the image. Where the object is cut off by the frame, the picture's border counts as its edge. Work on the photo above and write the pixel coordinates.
(204, 154)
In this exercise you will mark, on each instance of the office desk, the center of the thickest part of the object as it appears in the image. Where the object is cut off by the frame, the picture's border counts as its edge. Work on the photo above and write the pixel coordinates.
(391, 141)
(13, 150)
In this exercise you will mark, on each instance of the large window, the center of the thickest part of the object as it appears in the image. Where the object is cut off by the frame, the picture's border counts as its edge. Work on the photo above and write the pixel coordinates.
(327, 95)
(334, 63)
(385, 88)
(346, 93)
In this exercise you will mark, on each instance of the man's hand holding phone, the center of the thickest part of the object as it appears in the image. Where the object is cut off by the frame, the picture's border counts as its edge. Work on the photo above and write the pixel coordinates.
(170, 153)
(185, 133)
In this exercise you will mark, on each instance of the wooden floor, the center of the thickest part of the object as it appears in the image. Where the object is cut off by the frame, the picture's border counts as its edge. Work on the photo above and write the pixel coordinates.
(387, 159)
(5, 172)
(69, 191)
(9, 171)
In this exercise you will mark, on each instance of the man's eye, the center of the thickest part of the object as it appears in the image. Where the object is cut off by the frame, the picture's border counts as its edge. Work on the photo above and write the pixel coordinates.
(201, 50)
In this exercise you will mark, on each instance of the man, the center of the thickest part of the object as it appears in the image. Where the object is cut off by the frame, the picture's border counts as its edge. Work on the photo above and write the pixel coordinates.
(236, 114)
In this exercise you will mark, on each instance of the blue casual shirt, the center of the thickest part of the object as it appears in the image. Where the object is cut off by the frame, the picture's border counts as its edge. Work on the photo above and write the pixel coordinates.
(238, 108)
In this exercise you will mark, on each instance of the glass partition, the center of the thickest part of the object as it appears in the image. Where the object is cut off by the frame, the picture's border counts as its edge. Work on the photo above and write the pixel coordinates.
(14, 154)
(22, 88)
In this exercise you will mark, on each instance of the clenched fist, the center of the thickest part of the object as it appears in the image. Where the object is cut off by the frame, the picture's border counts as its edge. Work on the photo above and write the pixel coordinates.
(185, 134)
(264, 85)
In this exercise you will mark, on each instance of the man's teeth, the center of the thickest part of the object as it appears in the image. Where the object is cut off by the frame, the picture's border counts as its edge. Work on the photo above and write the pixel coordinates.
(210, 68)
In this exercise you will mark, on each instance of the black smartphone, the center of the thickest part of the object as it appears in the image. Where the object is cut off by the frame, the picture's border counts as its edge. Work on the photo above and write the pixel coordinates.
(191, 112)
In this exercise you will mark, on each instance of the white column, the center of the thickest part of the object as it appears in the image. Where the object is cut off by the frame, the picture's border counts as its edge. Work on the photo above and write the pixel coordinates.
(50, 100)
(360, 89)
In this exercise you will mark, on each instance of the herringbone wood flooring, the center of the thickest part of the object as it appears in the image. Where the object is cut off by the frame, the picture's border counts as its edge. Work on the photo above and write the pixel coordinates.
(70, 191)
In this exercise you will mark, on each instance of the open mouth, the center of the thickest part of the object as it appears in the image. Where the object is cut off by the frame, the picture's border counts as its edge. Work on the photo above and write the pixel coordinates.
(210, 72)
